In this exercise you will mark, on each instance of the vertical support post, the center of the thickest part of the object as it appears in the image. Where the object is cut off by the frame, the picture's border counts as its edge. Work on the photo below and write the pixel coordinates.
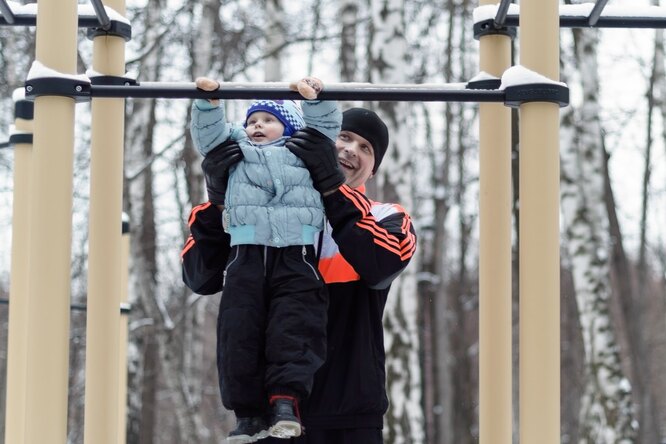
(539, 232)
(122, 361)
(18, 290)
(495, 409)
(104, 259)
(51, 232)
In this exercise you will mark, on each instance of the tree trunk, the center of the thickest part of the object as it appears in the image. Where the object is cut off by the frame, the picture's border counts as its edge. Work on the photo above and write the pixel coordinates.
(394, 180)
(606, 410)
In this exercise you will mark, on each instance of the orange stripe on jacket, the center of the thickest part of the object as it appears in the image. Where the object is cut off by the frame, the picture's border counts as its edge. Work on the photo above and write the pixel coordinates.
(195, 210)
(189, 244)
(337, 269)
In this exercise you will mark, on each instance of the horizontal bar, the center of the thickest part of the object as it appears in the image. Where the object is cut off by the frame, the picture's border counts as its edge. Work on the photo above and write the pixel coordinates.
(125, 308)
(5, 145)
(603, 22)
(31, 20)
(374, 92)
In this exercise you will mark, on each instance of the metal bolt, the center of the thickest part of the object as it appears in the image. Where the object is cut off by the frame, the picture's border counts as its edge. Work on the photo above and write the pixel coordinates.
(79, 88)
(28, 88)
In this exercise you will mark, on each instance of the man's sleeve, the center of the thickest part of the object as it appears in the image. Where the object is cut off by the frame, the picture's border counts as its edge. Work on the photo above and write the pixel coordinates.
(378, 247)
(206, 250)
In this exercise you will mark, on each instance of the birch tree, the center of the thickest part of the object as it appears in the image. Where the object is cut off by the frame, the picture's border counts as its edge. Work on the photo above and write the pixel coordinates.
(606, 414)
(389, 64)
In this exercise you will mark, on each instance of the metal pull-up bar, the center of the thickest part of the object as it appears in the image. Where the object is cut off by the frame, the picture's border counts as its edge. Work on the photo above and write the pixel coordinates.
(120, 87)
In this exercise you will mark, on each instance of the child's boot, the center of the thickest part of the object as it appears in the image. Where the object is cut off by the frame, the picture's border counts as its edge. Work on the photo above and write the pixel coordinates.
(285, 419)
(250, 429)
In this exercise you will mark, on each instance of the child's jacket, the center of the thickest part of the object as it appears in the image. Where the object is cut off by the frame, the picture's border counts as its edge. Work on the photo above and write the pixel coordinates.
(270, 199)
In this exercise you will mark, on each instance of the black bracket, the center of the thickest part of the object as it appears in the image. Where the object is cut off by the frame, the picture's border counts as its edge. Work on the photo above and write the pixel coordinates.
(24, 109)
(79, 90)
(488, 27)
(484, 84)
(516, 95)
(15, 139)
(112, 80)
(115, 28)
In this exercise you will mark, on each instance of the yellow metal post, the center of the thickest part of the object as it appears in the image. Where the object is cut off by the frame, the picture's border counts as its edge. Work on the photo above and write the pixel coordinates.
(50, 232)
(18, 290)
(495, 252)
(104, 259)
(539, 233)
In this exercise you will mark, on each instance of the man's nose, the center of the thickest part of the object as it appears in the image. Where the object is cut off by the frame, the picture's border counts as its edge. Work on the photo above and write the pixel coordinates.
(351, 148)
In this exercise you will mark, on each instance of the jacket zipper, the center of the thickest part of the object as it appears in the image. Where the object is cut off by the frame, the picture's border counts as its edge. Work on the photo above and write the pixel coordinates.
(224, 273)
(314, 271)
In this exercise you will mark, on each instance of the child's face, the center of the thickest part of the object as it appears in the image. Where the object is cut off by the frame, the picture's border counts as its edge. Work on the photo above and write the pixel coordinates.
(263, 127)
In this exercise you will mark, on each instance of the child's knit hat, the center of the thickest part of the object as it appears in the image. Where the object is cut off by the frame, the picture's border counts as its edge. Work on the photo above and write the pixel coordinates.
(286, 111)
(368, 125)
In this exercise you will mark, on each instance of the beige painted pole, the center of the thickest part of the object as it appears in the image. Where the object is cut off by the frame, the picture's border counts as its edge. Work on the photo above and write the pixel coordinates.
(495, 409)
(104, 259)
(18, 290)
(122, 361)
(539, 233)
(51, 232)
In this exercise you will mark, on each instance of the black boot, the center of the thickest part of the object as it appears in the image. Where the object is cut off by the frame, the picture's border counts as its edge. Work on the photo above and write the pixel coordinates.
(248, 430)
(285, 419)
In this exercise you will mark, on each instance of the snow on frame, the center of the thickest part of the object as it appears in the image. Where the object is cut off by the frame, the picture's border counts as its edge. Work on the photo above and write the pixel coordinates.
(488, 12)
(519, 75)
(83, 11)
(39, 70)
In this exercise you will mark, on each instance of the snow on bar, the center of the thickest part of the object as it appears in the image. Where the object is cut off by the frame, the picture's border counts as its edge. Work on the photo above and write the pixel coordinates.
(84, 12)
(582, 11)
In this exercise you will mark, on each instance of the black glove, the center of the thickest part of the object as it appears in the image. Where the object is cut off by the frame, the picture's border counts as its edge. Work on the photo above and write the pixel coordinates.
(216, 169)
(320, 156)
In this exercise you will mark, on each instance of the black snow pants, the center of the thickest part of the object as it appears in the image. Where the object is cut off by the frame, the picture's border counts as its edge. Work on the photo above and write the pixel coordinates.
(271, 326)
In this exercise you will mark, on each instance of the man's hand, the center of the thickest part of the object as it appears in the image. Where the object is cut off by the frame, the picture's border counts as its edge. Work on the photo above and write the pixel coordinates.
(216, 169)
(206, 84)
(320, 156)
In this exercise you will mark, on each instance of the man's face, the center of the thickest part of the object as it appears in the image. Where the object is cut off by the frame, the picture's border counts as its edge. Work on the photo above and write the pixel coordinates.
(356, 157)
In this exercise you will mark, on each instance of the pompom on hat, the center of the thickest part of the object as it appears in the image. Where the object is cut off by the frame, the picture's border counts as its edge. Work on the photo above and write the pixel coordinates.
(368, 125)
(286, 112)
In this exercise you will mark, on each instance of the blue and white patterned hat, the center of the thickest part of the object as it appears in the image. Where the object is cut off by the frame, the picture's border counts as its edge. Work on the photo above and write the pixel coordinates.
(286, 111)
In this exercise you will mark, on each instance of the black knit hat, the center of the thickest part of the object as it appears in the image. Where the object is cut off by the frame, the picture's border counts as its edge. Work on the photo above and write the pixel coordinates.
(368, 125)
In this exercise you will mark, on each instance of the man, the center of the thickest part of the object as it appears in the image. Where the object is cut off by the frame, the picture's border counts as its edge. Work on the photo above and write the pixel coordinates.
(365, 246)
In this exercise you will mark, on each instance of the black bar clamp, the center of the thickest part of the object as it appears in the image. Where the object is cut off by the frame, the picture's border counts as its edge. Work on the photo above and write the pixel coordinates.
(24, 109)
(115, 28)
(488, 27)
(15, 139)
(494, 83)
(112, 80)
(79, 90)
(516, 95)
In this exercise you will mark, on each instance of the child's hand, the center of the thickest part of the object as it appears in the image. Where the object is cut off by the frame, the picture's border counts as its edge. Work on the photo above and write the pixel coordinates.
(207, 84)
(308, 87)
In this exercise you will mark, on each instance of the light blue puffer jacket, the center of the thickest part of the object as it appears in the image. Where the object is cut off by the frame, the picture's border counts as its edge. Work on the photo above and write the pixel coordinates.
(270, 199)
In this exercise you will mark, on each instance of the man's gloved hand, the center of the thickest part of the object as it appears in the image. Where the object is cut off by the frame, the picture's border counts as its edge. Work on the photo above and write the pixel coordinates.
(216, 169)
(320, 156)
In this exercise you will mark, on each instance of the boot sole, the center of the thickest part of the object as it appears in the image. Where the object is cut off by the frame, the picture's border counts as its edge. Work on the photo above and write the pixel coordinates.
(246, 439)
(285, 429)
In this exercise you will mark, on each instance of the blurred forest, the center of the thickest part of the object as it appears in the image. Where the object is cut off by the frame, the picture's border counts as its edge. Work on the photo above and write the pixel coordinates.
(613, 212)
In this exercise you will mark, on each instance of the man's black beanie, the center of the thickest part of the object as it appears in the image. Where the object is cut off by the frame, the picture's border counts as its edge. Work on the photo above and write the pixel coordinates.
(368, 125)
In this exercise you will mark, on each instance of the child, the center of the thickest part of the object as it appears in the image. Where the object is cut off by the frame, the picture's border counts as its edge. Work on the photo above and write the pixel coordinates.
(272, 320)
